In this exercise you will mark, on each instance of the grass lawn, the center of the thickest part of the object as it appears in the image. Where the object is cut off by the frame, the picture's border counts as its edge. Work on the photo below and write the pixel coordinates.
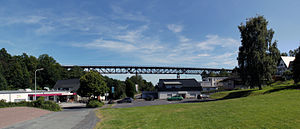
(277, 109)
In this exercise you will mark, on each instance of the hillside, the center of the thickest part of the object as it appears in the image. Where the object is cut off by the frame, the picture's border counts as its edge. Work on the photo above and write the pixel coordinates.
(276, 107)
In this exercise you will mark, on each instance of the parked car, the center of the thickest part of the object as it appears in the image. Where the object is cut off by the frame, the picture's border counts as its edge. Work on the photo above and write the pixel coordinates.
(175, 98)
(202, 96)
(126, 100)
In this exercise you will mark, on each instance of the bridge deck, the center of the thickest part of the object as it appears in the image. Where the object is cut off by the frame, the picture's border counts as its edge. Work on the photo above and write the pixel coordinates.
(147, 69)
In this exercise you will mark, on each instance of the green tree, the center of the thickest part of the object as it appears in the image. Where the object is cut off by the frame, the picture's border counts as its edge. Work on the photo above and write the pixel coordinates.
(204, 74)
(130, 88)
(3, 83)
(92, 84)
(119, 88)
(143, 85)
(75, 72)
(284, 54)
(293, 52)
(30, 62)
(52, 71)
(15, 77)
(212, 74)
(287, 74)
(296, 67)
(256, 55)
(223, 73)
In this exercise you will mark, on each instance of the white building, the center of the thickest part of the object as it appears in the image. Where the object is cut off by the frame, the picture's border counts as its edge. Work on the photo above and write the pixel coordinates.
(187, 88)
(212, 83)
(28, 95)
(284, 64)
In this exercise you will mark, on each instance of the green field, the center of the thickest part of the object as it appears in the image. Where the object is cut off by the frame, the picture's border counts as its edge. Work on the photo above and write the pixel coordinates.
(273, 107)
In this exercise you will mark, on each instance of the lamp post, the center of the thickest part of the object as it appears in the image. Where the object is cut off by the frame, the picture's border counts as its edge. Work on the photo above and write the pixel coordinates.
(35, 81)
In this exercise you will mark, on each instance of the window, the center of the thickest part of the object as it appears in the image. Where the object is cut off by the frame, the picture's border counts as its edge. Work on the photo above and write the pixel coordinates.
(178, 87)
(169, 95)
(192, 95)
(31, 98)
(169, 87)
(19, 100)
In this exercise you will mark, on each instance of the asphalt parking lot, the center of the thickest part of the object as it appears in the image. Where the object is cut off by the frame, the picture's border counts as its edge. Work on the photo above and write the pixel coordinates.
(141, 102)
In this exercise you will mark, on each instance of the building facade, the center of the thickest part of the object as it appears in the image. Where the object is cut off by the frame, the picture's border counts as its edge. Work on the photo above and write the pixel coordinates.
(284, 64)
(212, 83)
(187, 88)
(28, 95)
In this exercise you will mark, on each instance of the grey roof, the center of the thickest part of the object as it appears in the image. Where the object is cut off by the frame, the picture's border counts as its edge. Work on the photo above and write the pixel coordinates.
(70, 83)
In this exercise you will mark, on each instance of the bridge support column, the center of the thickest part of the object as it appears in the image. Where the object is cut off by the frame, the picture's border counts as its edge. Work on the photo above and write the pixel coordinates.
(178, 76)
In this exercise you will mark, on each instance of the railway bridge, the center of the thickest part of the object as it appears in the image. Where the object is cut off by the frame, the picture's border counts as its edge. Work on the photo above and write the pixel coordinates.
(148, 70)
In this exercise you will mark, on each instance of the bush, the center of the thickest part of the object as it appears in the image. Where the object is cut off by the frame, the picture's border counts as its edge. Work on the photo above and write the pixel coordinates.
(40, 103)
(94, 104)
(48, 105)
(3, 104)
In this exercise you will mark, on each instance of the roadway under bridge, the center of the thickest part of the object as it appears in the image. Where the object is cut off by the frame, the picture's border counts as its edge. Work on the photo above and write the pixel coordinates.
(147, 70)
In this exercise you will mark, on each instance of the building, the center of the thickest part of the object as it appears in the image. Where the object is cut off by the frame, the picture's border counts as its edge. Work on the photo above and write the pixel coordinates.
(187, 88)
(67, 85)
(72, 85)
(212, 83)
(28, 95)
(284, 64)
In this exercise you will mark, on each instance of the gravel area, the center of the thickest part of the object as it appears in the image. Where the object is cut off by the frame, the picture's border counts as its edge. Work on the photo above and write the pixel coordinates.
(13, 115)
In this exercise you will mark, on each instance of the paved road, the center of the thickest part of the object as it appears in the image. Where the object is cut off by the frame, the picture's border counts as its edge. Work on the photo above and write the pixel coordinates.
(70, 118)
(141, 102)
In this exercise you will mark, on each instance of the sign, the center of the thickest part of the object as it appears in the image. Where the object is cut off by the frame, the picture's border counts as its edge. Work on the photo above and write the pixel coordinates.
(112, 89)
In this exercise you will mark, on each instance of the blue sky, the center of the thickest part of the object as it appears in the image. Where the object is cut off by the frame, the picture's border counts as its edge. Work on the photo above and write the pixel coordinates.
(194, 33)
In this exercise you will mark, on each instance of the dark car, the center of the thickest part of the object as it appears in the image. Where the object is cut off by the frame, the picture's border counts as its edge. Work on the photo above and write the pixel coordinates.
(125, 100)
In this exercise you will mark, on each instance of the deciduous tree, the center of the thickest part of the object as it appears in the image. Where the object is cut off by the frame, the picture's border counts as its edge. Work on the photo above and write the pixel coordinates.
(258, 55)
(92, 84)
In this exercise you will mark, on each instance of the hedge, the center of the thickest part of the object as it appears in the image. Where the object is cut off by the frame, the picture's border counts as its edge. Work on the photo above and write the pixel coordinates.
(40, 103)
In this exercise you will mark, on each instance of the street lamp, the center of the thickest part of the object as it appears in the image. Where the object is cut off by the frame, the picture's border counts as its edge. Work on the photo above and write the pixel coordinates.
(35, 81)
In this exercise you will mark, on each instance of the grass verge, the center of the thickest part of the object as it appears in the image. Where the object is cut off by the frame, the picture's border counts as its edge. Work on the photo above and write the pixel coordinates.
(277, 109)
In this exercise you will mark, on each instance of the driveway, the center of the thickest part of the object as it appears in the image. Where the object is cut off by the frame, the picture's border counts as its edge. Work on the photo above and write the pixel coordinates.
(77, 117)
(141, 102)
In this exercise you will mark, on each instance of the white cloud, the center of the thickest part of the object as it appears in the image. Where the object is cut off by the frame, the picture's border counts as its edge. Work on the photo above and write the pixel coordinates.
(119, 13)
(203, 55)
(214, 41)
(7, 42)
(108, 44)
(132, 36)
(175, 28)
(44, 30)
(29, 19)
(183, 39)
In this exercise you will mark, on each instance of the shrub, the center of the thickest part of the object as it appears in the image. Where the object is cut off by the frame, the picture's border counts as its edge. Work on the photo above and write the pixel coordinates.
(48, 105)
(40, 103)
(94, 104)
(3, 103)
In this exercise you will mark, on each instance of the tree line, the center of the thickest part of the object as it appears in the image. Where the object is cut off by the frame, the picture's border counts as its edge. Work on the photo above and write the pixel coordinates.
(17, 72)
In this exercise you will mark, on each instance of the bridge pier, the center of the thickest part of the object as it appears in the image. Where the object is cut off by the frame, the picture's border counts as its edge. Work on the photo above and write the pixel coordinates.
(178, 76)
